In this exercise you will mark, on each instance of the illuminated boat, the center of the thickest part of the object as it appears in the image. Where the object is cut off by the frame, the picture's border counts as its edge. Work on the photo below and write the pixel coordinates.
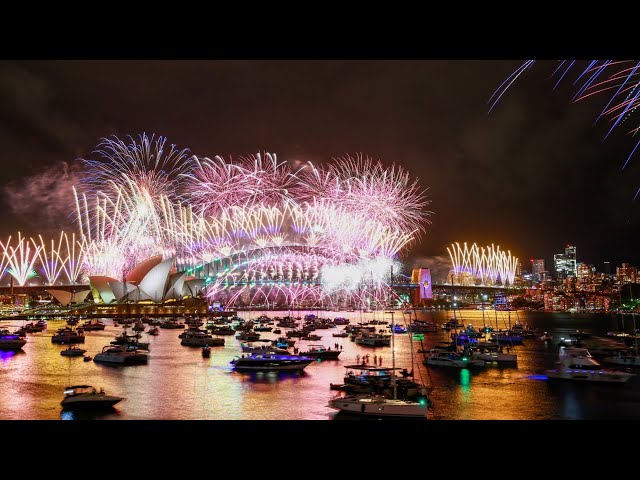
(379, 406)
(120, 356)
(577, 364)
(248, 348)
(367, 339)
(419, 326)
(319, 351)
(87, 397)
(444, 358)
(267, 361)
(10, 341)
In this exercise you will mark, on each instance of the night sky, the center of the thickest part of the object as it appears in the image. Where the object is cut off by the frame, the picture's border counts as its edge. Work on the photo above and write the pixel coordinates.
(531, 176)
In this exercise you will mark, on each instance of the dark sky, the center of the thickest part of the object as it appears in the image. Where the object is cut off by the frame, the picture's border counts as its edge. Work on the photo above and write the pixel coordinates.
(531, 176)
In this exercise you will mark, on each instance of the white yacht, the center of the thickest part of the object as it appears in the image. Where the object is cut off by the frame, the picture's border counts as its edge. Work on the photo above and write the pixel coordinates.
(116, 355)
(577, 364)
(378, 405)
(85, 396)
(444, 358)
(493, 354)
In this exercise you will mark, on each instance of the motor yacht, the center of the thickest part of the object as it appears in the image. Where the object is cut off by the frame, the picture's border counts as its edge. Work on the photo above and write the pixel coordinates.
(577, 364)
(87, 397)
(268, 361)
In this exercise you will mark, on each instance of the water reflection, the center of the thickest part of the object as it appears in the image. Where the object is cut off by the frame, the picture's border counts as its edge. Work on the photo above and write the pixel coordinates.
(271, 376)
(96, 414)
(177, 383)
(6, 355)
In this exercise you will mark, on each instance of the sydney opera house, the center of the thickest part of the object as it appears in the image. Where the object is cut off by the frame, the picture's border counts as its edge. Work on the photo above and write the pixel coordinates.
(152, 280)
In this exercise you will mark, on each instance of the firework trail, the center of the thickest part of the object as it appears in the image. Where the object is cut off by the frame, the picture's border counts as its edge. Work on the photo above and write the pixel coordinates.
(619, 79)
(256, 226)
(21, 259)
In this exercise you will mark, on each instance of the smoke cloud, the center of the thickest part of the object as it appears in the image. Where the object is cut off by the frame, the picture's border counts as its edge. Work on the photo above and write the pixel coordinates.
(44, 200)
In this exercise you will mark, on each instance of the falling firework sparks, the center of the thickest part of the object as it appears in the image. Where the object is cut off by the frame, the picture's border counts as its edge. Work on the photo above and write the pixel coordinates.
(251, 228)
(20, 259)
(484, 265)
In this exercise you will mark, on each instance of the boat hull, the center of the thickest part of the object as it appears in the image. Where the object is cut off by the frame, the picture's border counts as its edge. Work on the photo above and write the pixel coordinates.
(120, 360)
(389, 408)
(91, 402)
(12, 345)
(589, 376)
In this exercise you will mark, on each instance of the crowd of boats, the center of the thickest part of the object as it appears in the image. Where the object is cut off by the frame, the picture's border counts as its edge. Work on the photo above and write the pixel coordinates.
(366, 389)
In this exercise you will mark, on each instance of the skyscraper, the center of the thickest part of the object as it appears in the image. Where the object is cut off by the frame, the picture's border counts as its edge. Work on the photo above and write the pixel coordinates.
(565, 263)
(537, 267)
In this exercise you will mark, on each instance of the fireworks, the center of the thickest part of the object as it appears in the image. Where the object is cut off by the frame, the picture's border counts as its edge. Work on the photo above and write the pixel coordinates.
(620, 79)
(484, 265)
(252, 228)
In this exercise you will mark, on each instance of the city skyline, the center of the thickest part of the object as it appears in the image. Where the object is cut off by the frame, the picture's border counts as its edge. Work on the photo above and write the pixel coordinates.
(555, 184)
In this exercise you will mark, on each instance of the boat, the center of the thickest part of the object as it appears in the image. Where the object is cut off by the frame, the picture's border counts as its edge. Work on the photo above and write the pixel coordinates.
(130, 341)
(263, 328)
(399, 329)
(248, 348)
(172, 324)
(283, 342)
(138, 327)
(341, 321)
(452, 324)
(87, 397)
(11, 341)
(277, 331)
(446, 358)
(34, 327)
(248, 336)
(420, 326)
(118, 355)
(73, 352)
(379, 405)
(507, 337)
(87, 358)
(67, 335)
(367, 339)
(153, 331)
(577, 364)
(546, 337)
(200, 339)
(320, 351)
(493, 354)
(97, 325)
(313, 337)
(341, 334)
(268, 361)
(222, 330)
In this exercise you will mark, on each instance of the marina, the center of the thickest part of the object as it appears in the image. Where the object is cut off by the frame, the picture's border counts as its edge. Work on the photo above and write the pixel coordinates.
(183, 383)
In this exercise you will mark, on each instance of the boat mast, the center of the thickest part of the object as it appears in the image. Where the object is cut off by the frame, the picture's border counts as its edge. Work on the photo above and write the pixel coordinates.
(393, 345)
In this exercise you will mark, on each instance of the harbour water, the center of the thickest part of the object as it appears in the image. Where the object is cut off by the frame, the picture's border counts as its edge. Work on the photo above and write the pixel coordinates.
(179, 384)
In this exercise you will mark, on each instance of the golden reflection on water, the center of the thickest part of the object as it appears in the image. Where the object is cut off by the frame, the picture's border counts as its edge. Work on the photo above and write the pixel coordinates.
(178, 383)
